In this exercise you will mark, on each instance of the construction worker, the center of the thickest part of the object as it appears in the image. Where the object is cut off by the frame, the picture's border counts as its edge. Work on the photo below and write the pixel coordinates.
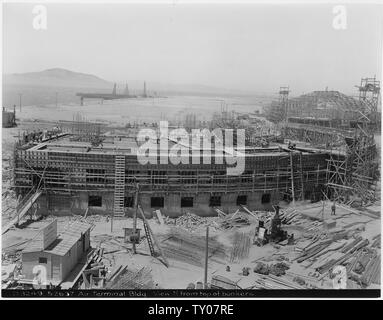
(333, 208)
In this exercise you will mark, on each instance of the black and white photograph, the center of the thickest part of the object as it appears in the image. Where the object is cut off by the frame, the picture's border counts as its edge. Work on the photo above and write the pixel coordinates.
(191, 149)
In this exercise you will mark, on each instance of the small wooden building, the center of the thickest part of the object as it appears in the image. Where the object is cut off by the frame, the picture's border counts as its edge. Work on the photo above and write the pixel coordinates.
(59, 254)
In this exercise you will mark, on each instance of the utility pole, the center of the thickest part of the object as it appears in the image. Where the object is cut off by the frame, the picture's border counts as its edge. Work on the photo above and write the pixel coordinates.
(292, 177)
(135, 216)
(56, 98)
(206, 256)
(323, 211)
(111, 221)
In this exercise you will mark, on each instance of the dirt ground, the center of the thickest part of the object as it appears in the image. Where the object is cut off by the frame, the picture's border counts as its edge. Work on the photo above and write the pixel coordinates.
(180, 273)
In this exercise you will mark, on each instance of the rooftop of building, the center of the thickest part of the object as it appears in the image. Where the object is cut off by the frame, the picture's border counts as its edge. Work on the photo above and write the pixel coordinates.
(329, 99)
(63, 242)
(112, 145)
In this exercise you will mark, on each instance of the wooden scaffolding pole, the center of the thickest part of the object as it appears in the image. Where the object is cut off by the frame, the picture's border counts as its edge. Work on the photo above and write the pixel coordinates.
(135, 215)
(302, 182)
(292, 177)
(206, 256)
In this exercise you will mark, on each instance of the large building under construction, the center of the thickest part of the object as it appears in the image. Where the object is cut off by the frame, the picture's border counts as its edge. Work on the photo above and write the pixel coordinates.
(73, 176)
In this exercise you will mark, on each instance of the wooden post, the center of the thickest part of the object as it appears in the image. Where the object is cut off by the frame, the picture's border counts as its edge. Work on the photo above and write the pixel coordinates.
(323, 211)
(135, 217)
(206, 256)
(318, 176)
(292, 177)
(302, 182)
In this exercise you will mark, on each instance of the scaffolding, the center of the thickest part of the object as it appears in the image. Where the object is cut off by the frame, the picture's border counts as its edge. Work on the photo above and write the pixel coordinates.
(279, 109)
(85, 131)
(284, 101)
(369, 93)
(369, 96)
(353, 178)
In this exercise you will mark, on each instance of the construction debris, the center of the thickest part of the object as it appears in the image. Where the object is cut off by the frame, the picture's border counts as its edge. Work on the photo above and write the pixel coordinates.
(192, 222)
(132, 279)
(277, 269)
(235, 220)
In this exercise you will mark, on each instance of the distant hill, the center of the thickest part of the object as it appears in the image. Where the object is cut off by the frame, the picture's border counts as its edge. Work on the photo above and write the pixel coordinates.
(40, 88)
(56, 77)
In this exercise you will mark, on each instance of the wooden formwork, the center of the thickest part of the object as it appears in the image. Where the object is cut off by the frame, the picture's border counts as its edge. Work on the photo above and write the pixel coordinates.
(65, 172)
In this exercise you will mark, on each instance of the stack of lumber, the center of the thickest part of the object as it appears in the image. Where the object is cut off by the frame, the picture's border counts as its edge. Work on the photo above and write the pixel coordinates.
(364, 268)
(133, 279)
(235, 220)
(313, 250)
(376, 241)
(274, 282)
(241, 247)
(372, 273)
(318, 250)
(349, 252)
(221, 282)
(289, 215)
(94, 275)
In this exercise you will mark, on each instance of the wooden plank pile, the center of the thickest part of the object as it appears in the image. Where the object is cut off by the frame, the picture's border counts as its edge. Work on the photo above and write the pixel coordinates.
(364, 268)
(221, 282)
(359, 256)
(314, 250)
(376, 241)
(273, 282)
(132, 279)
(95, 274)
(235, 220)
(289, 215)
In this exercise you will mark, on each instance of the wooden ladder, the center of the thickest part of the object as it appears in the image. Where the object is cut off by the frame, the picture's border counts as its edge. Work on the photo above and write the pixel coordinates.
(119, 186)
(149, 239)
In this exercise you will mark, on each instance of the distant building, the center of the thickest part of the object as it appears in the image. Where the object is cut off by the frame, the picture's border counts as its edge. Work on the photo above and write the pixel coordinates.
(338, 107)
(59, 254)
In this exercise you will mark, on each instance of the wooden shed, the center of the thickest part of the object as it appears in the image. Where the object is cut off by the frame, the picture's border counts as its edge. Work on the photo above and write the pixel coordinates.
(56, 254)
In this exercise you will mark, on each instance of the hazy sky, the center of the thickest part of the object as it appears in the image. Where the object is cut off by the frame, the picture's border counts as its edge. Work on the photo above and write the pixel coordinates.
(251, 47)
